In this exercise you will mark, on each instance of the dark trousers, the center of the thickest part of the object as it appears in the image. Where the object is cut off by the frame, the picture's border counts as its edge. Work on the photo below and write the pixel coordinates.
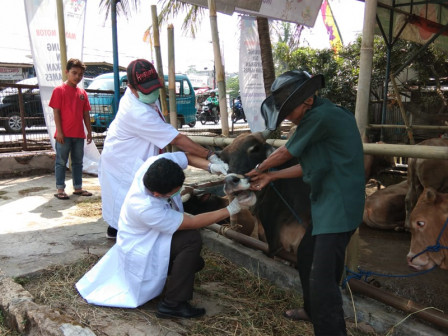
(185, 261)
(320, 262)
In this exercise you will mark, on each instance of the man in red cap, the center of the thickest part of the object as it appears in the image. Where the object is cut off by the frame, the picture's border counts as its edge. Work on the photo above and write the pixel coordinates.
(138, 132)
(329, 148)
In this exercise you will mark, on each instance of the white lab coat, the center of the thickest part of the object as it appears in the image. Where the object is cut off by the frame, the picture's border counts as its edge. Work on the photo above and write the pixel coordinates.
(137, 133)
(134, 270)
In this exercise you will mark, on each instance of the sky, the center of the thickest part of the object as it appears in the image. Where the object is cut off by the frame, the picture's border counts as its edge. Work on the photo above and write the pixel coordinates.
(98, 38)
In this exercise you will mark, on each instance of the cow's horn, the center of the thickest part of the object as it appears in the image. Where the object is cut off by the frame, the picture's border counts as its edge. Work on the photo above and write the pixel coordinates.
(198, 192)
(265, 134)
(185, 198)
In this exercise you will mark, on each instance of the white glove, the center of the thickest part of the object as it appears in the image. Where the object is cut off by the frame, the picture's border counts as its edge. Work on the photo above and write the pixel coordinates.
(218, 168)
(234, 207)
(215, 159)
(245, 202)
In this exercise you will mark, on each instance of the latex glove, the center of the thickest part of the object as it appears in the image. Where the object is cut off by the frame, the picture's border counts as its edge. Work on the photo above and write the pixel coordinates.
(215, 159)
(218, 168)
(234, 207)
(245, 202)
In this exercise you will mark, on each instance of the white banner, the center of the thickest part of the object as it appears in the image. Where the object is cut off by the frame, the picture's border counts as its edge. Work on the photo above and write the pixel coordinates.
(251, 74)
(44, 39)
(302, 12)
(11, 73)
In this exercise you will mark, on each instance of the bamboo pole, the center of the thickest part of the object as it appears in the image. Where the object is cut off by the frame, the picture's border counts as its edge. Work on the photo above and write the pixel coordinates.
(171, 78)
(219, 69)
(362, 102)
(415, 151)
(365, 67)
(402, 111)
(414, 127)
(156, 34)
(62, 42)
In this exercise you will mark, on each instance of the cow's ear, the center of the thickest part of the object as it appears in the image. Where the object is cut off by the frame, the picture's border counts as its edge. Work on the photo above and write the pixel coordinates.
(430, 195)
(253, 149)
(259, 136)
(223, 155)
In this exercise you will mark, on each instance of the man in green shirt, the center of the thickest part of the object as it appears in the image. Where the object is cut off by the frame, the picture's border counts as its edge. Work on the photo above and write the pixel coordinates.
(329, 148)
(215, 103)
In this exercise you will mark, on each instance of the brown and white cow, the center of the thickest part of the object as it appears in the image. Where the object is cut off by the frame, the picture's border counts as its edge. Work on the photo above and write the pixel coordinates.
(283, 228)
(427, 222)
(425, 173)
(384, 209)
(196, 201)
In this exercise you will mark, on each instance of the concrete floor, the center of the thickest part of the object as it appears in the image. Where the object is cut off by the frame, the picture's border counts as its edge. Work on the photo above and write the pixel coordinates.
(38, 230)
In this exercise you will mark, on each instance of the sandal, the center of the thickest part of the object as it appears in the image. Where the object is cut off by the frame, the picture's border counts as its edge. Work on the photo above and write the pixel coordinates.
(82, 193)
(61, 196)
(297, 315)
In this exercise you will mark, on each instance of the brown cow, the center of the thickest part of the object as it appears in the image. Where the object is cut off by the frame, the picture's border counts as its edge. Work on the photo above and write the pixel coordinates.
(424, 173)
(427, 222)
(283, 228)
(385, 209)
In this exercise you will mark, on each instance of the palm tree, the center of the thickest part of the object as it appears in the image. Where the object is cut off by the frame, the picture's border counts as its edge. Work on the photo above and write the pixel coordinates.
(192, 20)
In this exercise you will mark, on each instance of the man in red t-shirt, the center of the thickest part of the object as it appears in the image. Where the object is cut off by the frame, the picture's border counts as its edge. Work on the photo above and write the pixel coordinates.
(71, 112)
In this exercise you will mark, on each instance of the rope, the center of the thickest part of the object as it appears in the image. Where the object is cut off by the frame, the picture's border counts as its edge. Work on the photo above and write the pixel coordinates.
(366, 274)
(297, 217)
(363, 274)
(436, 247)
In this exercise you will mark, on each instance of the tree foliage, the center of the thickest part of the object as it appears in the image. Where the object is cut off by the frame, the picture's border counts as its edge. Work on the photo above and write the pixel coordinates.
(233, 87)
(341, 71)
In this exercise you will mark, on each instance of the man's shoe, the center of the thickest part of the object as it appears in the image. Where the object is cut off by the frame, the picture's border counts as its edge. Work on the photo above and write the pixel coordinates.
(183, 309)
(111, 233)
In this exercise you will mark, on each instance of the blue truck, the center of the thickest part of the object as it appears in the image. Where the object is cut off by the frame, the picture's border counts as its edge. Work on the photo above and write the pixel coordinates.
(103, 107)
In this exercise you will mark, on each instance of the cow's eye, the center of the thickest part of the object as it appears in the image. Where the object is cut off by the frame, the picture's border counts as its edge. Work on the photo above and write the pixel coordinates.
(420, 223)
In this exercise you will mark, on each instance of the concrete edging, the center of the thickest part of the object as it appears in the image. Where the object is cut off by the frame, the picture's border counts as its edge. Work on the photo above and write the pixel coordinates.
(381, 317)
(26, 163)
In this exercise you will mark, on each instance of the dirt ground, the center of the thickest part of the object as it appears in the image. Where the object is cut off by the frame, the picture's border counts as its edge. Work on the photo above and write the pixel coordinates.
(385, 252)
(43, 217)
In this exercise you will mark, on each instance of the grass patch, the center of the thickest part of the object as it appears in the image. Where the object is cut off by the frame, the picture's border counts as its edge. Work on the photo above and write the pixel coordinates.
(89, 207)
(2, 195)
(4, 330)
(27, 191)
(249, 305)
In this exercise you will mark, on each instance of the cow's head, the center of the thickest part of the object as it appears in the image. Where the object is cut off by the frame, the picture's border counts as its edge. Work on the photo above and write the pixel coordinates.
(427, 220)
(245, 152)
(242, 155)
(238, 186)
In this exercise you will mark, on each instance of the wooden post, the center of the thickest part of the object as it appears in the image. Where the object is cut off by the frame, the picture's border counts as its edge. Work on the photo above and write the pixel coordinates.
(155, 29)
(219, 70)
(62, 42)
(403, 112)
(172, 77)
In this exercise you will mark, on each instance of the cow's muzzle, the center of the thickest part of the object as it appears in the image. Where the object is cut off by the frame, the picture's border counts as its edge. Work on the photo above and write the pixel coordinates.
(238, 186)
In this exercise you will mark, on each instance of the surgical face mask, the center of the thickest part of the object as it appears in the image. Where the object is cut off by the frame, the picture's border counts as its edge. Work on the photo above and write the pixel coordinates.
(171, 196)
(148, 98)
(176, 193)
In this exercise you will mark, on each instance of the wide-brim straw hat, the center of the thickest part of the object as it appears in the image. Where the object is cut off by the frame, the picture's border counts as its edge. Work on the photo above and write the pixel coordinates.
(289, 90)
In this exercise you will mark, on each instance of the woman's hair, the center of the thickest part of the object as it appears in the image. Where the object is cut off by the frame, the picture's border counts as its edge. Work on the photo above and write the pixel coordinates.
(163, 176)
